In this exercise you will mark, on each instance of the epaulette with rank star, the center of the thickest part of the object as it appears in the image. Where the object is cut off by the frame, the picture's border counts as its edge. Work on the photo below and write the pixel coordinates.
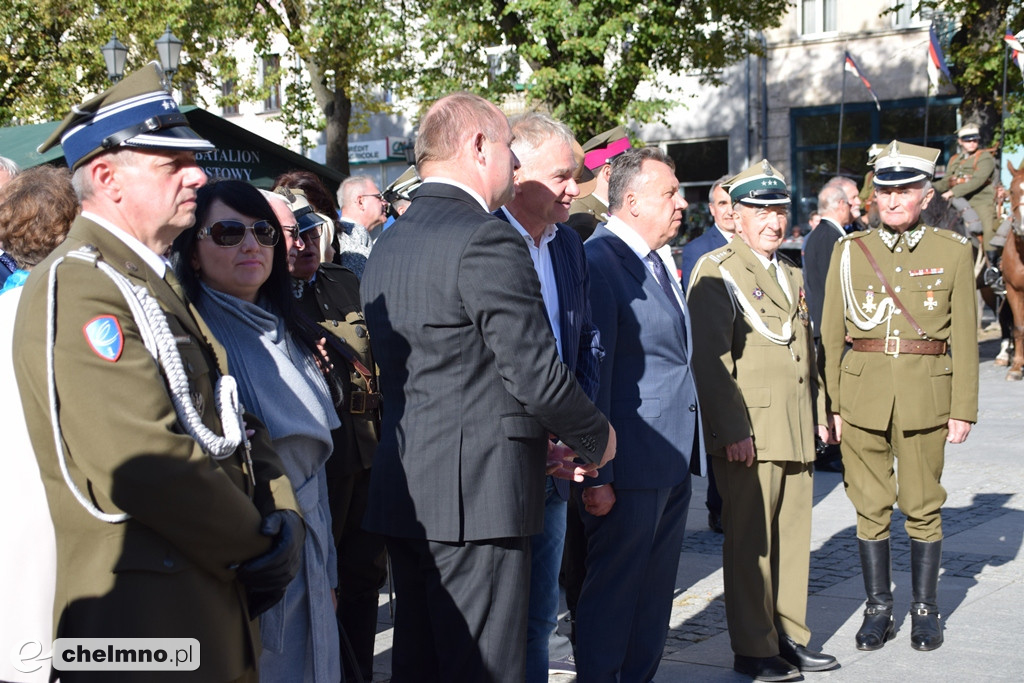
(856, 235)
(721, 255)
(949, 234)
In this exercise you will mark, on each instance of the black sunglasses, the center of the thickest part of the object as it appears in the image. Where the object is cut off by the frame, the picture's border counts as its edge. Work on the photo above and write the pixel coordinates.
(230, 233)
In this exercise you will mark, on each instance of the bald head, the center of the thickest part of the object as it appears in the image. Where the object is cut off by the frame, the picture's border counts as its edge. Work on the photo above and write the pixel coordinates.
(465, 138)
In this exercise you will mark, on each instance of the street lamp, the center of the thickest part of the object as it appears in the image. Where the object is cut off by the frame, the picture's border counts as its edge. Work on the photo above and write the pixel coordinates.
(168, 47)
(115, 55)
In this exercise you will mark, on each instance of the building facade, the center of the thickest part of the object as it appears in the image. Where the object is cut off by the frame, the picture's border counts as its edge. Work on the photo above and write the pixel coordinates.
(789, 106)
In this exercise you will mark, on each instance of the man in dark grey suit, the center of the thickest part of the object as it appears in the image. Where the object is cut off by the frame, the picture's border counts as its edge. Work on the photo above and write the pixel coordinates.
(472, 388)
(718, 235)
(635, 510)
(839, 206)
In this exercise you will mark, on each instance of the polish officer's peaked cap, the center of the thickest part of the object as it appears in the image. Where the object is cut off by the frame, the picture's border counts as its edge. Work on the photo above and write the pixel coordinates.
(136, 112)
(904, 164)
(759, 185)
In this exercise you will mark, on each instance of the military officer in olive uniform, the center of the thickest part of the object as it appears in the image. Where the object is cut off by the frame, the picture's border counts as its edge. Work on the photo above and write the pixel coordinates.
(972, 174)
(897, 300)
(591, 207)
(757, 381)
(169, 523)
(328, 295)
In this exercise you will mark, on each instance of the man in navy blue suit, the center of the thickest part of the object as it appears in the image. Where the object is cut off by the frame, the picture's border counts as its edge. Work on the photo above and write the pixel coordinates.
(719, 235)
(715, 237)
(635, 510)
(544, 187)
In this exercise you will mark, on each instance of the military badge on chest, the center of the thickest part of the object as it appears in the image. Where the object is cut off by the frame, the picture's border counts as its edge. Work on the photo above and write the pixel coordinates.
(869, 300)
(758, 293)
(801, 309)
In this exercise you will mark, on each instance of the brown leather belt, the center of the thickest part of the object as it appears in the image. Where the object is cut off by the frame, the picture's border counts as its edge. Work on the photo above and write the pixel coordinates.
(363, 402)
(894, 345)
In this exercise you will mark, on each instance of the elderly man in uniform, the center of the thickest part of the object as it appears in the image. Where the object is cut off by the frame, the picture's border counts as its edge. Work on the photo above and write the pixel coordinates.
(972, 174)
(757, 381)
(168, 523)
(897, 300)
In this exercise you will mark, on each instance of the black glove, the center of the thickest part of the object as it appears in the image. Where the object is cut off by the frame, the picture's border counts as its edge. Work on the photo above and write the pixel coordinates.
(261, 602)
(272, 571)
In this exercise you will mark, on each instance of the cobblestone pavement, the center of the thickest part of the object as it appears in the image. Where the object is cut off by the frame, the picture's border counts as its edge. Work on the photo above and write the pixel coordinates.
(981, 588)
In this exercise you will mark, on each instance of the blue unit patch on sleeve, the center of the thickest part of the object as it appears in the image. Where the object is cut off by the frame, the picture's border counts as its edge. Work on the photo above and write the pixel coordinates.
(105, 337)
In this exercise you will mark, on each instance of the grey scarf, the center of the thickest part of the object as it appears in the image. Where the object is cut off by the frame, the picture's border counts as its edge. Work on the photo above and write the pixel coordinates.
(278, 380)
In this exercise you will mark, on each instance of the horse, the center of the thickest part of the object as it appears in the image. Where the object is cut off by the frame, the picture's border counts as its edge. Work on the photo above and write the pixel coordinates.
(1013, 271)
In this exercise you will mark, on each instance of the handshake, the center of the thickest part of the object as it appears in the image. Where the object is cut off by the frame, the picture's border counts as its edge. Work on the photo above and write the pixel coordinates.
(267, 576)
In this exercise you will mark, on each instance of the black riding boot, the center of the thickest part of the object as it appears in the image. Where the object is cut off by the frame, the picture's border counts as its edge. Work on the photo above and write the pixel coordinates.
(874, 563)
(925, 629)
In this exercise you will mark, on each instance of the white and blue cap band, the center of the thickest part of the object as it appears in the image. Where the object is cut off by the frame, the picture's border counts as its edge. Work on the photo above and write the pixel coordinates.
(904, 164)
(137, 112)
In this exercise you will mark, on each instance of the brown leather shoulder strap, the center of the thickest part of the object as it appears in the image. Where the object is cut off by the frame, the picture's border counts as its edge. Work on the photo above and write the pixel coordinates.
(889, 289)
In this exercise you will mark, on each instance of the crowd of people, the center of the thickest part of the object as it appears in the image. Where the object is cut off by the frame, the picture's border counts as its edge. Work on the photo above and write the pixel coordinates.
(239, 409)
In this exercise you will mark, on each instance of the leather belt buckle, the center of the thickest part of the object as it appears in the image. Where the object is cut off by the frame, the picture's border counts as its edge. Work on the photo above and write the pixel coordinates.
(892, 346)
(357, 403)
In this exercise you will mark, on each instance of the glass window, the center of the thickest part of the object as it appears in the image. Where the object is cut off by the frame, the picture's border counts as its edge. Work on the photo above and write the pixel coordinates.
(815, 136)
(227, 90)
(272, 82)
(698, 166)
(817, 16)
(906, 12)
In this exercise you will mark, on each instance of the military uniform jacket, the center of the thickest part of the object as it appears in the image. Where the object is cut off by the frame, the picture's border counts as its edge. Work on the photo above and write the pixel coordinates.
(585, 214)
(166, 571)
(753, 356)
(931, 270)
(975, 175)
(332, 299)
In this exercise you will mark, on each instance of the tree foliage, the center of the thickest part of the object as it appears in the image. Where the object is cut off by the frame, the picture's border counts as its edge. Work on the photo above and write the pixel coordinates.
(341, 56)
(590, 60)
(593, 64)
(976, 55)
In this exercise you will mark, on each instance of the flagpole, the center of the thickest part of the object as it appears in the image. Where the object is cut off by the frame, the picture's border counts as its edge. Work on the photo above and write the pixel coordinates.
(842, 103)
(927, 102)
(1006, 59)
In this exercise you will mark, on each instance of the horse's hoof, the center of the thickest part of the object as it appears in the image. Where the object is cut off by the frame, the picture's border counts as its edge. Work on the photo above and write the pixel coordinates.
(1014, 376)
(1002, 362)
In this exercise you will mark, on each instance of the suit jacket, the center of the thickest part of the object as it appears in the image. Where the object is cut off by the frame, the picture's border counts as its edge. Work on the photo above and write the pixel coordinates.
(166, 572)
(581, 345)
(749, 385)
(934, 278)
(692, 251)
(817, 254)
(470, 377)
(646, 388)
(332, 299)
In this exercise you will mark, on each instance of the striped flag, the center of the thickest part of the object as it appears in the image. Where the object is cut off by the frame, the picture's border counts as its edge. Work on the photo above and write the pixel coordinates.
(936, 60)
(851, 66)
(1013, 42)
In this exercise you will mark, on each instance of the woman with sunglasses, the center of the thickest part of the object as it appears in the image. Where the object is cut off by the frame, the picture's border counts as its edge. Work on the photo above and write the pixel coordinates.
(233, 264)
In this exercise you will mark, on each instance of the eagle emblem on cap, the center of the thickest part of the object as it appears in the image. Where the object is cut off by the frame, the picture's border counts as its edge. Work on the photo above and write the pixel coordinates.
(766, 167)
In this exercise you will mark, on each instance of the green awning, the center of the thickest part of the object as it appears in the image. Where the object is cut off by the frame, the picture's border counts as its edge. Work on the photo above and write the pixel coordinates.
(19, 144)
(240, 154)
